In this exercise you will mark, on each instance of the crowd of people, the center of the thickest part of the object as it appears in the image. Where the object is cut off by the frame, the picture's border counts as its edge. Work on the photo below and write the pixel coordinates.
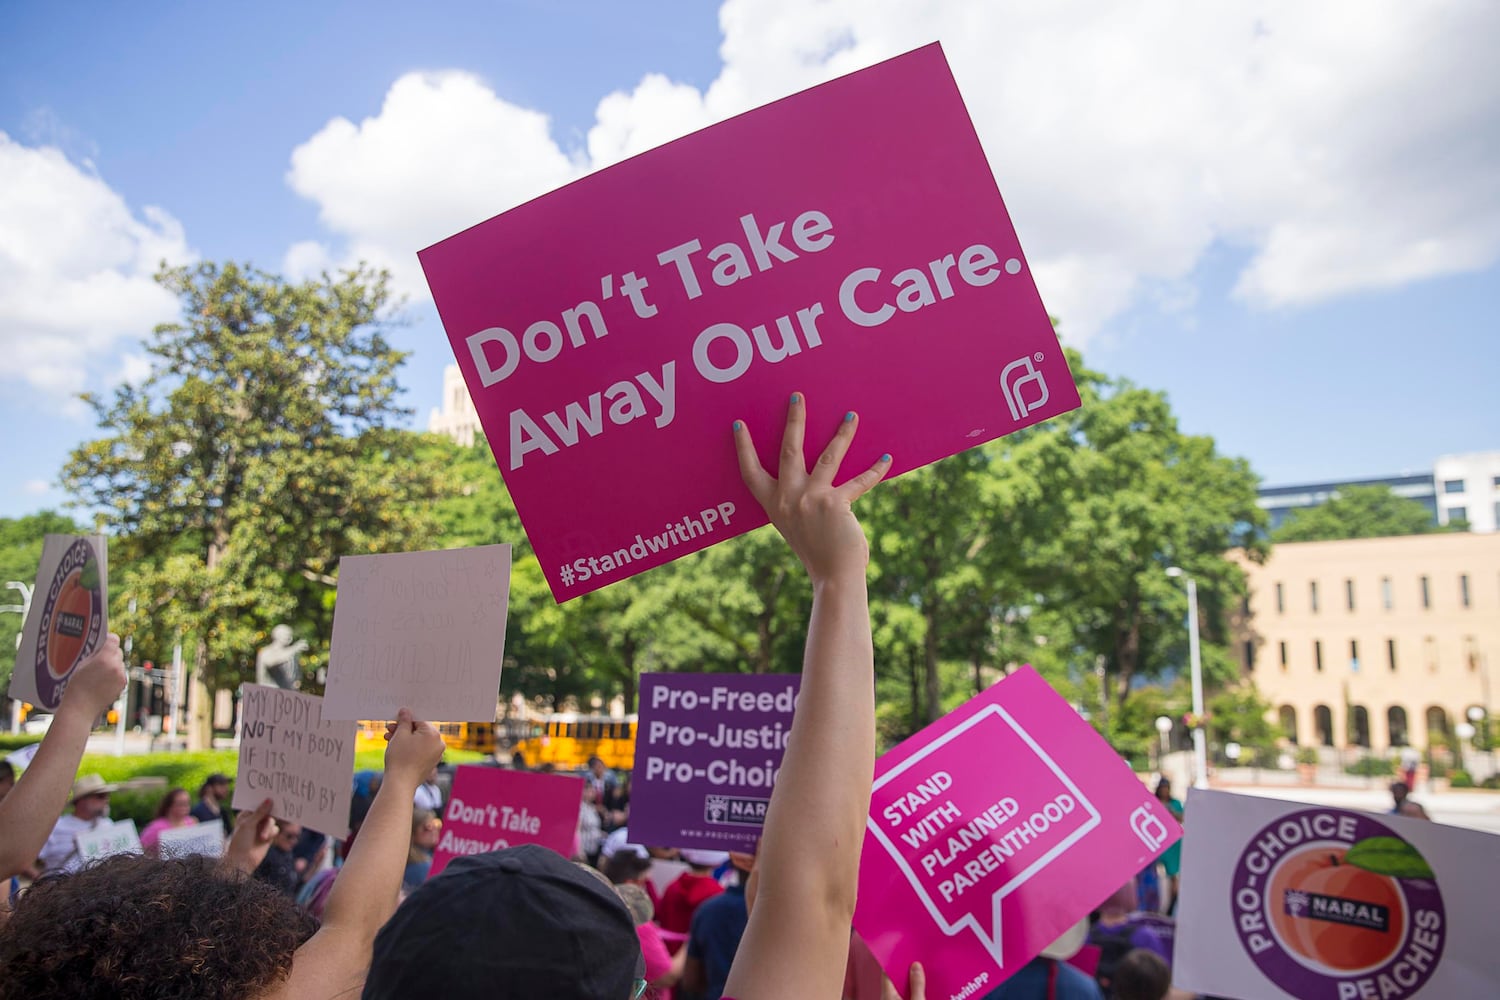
(285, 913)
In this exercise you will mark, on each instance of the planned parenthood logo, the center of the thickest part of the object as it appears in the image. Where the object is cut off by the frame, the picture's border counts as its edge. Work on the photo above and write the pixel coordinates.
(728, 810)
(1018, 375)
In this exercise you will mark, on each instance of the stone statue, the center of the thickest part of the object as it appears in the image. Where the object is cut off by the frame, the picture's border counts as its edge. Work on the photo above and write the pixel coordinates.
(276, 664)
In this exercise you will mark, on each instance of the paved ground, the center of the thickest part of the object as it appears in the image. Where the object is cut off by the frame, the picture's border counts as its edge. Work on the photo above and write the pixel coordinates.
(1476, 810)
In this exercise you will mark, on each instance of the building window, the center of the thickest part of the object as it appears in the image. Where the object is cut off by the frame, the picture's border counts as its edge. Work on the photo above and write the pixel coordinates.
(1318, 655)
(1453, 485)
(1354, 655)
(1387, 597)
(1280, 599)
(1390, 654)
(1471, 653)
(1282, 647)
(1495, 482)
(1463, 589)
(1349, 593)
(1430, 653)
(1426, 593)
(1312, 595)
(1458, 514)
(1249, 654)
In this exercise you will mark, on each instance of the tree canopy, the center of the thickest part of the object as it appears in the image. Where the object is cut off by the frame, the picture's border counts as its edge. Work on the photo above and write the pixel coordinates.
(260, 448)
(1357, 512)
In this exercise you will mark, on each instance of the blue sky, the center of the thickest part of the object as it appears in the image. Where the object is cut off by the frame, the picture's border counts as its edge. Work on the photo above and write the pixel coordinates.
(1287, 217)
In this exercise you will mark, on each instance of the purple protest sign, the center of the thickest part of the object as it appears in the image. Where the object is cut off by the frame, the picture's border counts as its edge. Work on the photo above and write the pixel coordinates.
(708, 748)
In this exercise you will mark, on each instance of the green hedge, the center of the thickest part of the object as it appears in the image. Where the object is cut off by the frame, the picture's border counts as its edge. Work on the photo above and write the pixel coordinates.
(1372, 767)
(15, 741)
(189, 769)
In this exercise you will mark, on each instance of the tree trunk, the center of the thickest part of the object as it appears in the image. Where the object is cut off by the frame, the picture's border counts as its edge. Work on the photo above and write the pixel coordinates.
(930, 667)
(200, 731)
(912, 671)
(627, 685)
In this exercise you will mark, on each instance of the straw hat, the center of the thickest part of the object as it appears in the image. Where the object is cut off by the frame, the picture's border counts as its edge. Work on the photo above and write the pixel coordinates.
(90, 784)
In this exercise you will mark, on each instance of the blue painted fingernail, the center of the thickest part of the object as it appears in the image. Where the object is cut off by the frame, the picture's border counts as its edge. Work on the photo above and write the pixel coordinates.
(848, 416)
(796, 397)
(885, 458)
(738, 425)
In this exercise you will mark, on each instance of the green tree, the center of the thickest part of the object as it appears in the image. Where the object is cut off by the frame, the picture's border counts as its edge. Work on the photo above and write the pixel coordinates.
(20, 553)
(1357, 512)
(1102, 501)
(258, 450)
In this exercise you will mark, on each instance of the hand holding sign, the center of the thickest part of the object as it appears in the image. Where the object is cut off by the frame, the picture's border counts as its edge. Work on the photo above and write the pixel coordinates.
(816, 519)
(415, 748)
(97, 681)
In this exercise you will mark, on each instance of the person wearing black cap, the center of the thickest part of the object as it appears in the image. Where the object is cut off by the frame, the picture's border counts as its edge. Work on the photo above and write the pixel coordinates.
(210, 805)
(523, 923)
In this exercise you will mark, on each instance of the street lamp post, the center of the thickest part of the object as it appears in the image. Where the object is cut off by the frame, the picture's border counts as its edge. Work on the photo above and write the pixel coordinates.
(1478, 716)
(1163, 727)
(1465, 733)
(1200, 742)
(22, 609)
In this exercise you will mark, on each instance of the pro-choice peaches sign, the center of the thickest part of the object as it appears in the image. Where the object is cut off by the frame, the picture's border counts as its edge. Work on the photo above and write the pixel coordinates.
(848, 242)
(1283, 899)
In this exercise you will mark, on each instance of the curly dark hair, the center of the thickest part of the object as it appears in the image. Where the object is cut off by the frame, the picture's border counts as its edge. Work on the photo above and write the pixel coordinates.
(133, 927)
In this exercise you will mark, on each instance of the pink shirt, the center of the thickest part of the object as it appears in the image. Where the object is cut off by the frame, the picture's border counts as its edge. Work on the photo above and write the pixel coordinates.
(151, 836)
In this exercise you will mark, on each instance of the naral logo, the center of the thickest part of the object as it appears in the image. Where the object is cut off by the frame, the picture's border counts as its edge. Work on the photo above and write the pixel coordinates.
(1015, 377)
(730, 811)
(1331, 905)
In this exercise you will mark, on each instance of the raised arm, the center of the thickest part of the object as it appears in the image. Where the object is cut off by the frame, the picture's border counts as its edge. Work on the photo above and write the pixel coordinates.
(29, 812)
(334, 961)
(797, 940)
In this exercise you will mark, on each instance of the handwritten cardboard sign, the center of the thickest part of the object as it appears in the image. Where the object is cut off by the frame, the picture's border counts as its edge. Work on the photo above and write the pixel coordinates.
(292, 755)
(848, 242)
(492, 809)
(108, 839)
(708, 749)
(68, 618)
(206, 839)
(419, 630)
(1283, 899)
(993, 831)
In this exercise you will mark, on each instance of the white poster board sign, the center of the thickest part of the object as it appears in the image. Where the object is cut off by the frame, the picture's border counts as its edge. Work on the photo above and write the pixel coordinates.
(109, 839)
(1289, 900)
(419, 630)
(290, 754)
(206, 839)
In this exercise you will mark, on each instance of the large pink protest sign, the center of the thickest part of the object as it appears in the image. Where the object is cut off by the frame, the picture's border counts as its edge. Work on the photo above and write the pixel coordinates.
(993, 831)
(848, 242)
(492, 809)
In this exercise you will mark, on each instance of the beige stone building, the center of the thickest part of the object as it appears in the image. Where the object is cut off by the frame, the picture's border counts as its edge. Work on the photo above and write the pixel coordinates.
(1379, 642)
(457, 417)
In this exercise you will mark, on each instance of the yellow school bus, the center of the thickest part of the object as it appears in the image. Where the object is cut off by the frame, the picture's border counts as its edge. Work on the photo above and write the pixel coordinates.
(478, 736)
(567, 741)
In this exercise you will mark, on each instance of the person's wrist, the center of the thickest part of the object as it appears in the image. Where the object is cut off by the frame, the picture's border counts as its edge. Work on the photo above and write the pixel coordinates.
(76, 711)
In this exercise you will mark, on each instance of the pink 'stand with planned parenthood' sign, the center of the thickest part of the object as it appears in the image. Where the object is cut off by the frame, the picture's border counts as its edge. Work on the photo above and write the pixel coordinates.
(491, 809)
(707, 751)
(848, 242)
(993, 831)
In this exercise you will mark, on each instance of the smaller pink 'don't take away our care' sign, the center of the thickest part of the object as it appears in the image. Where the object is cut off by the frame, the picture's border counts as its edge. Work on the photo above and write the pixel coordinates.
(848, 242)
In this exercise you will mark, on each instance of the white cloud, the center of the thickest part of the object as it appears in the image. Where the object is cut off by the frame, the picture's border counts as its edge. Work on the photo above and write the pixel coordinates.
(443, 153)
(35, 487)
(75, 270)
(1346, 145)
